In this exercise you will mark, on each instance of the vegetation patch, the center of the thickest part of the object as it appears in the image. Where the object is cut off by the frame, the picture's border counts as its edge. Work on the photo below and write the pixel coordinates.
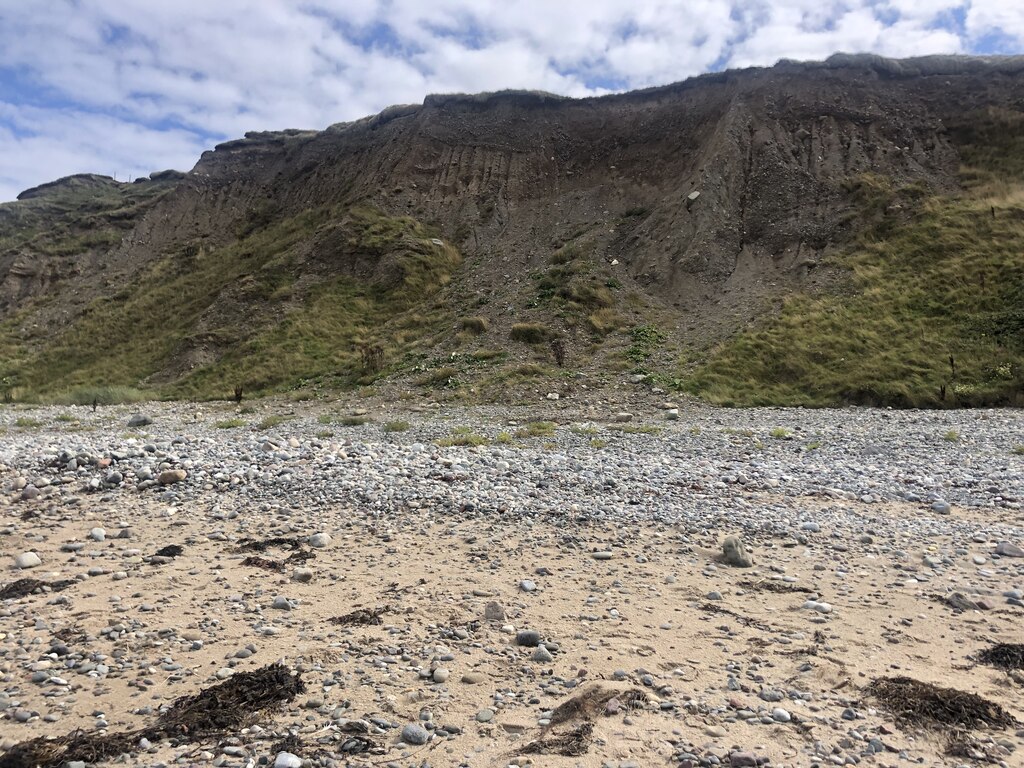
(474, 325)
(529, 333)
(462, 437)
(537, 429)
(935, 318)
(340, 328)
(273, 421)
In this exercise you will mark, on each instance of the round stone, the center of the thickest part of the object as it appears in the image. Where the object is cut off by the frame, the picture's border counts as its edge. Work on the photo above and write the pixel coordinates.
(415, 734)
(529, 638)
(27, 560)
(319, 540)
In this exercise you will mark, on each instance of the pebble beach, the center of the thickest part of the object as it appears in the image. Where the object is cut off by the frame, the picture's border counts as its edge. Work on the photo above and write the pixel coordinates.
(497, 586)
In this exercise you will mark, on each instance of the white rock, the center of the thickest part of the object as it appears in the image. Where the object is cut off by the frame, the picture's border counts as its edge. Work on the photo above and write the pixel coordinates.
(27, 560)
(287, 760)
(319, 540)
(97, 534)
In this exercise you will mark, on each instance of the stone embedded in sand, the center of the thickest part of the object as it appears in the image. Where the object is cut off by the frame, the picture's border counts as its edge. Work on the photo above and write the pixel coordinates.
(543, 655)
(287, 760)
(27, 560)
(473, 678)
(494, 612)
(1006, 549)
(171, 476)
(529, 638)
(319, 540)
(743, 760)
(139, 420)
(817, 605)
(302, 575)
(734, 553)
(415, 734)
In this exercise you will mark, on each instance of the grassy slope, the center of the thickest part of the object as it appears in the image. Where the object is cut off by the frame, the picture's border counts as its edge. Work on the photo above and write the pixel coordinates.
(935, 278)
(126, 338)
(74, 218)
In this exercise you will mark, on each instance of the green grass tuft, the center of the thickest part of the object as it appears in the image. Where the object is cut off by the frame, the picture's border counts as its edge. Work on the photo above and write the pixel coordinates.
(272, 421)
(537, 429)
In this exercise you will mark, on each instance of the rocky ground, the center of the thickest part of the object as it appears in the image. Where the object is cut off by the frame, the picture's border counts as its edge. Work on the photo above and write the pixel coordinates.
(555, 596)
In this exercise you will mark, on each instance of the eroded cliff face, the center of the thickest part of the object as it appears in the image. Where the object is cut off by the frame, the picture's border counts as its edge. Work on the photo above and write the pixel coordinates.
(709, 195)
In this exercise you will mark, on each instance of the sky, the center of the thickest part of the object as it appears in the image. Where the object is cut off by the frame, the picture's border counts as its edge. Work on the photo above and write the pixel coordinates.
(128, 87)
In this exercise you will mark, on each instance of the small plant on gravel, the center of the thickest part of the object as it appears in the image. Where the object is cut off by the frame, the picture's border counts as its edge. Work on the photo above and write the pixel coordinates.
(638, 429)
(476, 325)
(529, 333)
(576, 429)
(537, 429)
(738, 432)
(230, 423)
(247, 409)
(66, 417)
(397, 426)
(462, 436)
(325, 434)
(503, 438)
(27, 422)
(646, 339)
(441, 377)
(1018, 450)
(353, 421)
(272, 421)
(813, 445)
(951, 436)
(780, 433)
(597, 443)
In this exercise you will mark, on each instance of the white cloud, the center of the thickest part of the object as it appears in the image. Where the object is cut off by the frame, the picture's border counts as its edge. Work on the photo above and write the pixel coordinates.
(131, 85)
(1005, 17)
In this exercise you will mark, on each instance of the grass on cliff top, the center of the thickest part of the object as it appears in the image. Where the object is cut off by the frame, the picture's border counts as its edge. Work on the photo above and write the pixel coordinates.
(940, 278)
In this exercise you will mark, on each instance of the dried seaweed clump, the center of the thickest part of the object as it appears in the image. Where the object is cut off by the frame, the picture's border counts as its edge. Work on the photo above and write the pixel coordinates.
(571, 743)
(1004, 656)
(361, 617)
(581, 709)
(220, 709)
(26, 587)
(918, 703)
